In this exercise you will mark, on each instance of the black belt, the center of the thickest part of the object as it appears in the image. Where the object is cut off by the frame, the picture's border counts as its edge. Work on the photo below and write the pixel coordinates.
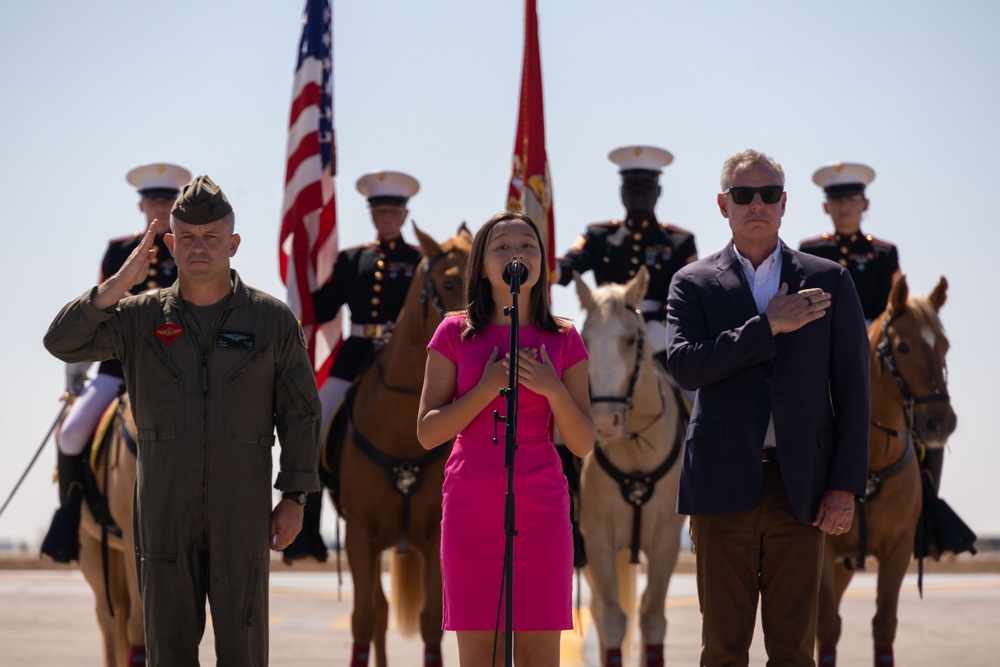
(770, 455)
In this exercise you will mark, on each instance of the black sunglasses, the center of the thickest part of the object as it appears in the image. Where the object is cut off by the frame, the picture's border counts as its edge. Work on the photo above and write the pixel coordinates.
(769, 194)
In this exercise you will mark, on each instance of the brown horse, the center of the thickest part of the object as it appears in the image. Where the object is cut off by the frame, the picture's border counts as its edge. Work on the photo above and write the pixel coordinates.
(107, 557)
(910, 408)
(390, 486)
(628, 485)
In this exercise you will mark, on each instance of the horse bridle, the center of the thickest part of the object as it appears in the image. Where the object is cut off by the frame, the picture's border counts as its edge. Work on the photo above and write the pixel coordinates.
(428, 294)
(627, 398)
(884, 352)
(877, 478)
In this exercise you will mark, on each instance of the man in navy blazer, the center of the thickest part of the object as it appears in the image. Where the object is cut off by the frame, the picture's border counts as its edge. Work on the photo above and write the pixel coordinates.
(774, 342)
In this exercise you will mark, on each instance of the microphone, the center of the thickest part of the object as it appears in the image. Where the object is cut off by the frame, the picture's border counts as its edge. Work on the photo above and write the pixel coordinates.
(515, 268)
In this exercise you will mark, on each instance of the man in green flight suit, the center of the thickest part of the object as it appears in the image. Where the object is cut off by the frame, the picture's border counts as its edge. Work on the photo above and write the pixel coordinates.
(212, 366)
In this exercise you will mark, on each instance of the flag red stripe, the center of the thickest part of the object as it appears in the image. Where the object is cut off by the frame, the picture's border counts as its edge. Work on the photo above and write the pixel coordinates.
(309, 97)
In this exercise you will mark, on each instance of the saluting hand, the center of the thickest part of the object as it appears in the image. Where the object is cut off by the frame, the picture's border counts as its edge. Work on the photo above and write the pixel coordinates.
(136, 267)
(789, 312)
(133, 271)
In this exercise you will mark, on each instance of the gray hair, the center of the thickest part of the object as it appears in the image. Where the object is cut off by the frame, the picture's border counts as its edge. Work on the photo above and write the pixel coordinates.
(748, 158)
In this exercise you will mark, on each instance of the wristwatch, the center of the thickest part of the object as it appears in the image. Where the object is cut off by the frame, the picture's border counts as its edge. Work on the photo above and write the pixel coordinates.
(295, 496)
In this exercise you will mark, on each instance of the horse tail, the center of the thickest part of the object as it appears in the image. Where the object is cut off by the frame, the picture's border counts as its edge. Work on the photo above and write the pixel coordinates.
(627, 595)
(407, 590)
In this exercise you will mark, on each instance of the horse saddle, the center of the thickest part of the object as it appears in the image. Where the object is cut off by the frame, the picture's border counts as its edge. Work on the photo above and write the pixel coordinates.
(100, 446)
(333, 446)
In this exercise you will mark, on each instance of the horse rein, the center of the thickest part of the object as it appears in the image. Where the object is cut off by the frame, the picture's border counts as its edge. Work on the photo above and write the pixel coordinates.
(876, 478)
(633, 380)
(428, 294)
(627, 398)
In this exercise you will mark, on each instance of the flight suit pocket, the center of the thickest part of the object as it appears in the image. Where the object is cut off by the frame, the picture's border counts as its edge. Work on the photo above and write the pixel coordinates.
(162, 383)
(253, 605)
(167, 619)
(248, 389)
(298, 408)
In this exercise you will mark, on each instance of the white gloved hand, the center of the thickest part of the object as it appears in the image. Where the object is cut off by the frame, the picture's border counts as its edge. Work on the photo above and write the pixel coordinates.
(76, 377)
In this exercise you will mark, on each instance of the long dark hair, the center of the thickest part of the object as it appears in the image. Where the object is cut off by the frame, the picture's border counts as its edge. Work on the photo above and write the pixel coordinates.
(480, 307)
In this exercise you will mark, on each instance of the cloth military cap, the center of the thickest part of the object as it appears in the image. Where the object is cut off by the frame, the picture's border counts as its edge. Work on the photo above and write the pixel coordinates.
(843, 179)
(201, 202)
(158, 179)
(387, 188)
(640, 160)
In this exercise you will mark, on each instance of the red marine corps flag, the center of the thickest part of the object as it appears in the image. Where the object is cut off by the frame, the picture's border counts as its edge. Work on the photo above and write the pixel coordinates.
(307, 245)
(530, 189)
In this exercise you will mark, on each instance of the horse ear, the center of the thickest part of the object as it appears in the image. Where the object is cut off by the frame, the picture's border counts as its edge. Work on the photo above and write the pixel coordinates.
(427, 244)
(897, 297)
(464, 232)
(583, 291)
(635, 289)
(939, 295)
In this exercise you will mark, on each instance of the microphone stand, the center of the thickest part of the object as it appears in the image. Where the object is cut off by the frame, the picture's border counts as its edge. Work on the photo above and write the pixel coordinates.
(510, 445)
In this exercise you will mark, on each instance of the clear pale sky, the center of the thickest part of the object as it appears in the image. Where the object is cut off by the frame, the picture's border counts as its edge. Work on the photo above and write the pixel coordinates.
(90, 90)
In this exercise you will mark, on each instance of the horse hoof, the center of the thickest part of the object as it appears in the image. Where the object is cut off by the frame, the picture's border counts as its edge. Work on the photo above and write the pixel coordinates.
(883, 656)
(612, 657)
(827, 656)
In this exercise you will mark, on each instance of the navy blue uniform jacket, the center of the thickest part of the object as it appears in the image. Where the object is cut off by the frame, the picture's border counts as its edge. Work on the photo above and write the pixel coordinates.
(815, 381)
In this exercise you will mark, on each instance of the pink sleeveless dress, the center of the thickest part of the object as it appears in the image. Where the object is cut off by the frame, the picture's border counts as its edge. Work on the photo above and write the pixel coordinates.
(475, 486)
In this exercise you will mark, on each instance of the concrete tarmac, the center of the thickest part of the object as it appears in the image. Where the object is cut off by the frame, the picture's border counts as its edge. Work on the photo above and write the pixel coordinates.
(46, 618)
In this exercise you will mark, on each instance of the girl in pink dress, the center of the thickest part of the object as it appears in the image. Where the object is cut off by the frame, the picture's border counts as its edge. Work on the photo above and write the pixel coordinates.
(467, 366)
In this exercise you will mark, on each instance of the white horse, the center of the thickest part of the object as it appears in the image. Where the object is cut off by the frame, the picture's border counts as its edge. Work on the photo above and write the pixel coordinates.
(628, 485)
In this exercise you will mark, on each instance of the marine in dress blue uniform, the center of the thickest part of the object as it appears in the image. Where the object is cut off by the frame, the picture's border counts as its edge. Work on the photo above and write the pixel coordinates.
(872, 262)
(615, 249)
(372, 281)
(158, 185)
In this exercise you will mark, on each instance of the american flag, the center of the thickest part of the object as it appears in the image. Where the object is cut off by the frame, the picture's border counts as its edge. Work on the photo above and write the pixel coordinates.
(307, 245)
(530, 188)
